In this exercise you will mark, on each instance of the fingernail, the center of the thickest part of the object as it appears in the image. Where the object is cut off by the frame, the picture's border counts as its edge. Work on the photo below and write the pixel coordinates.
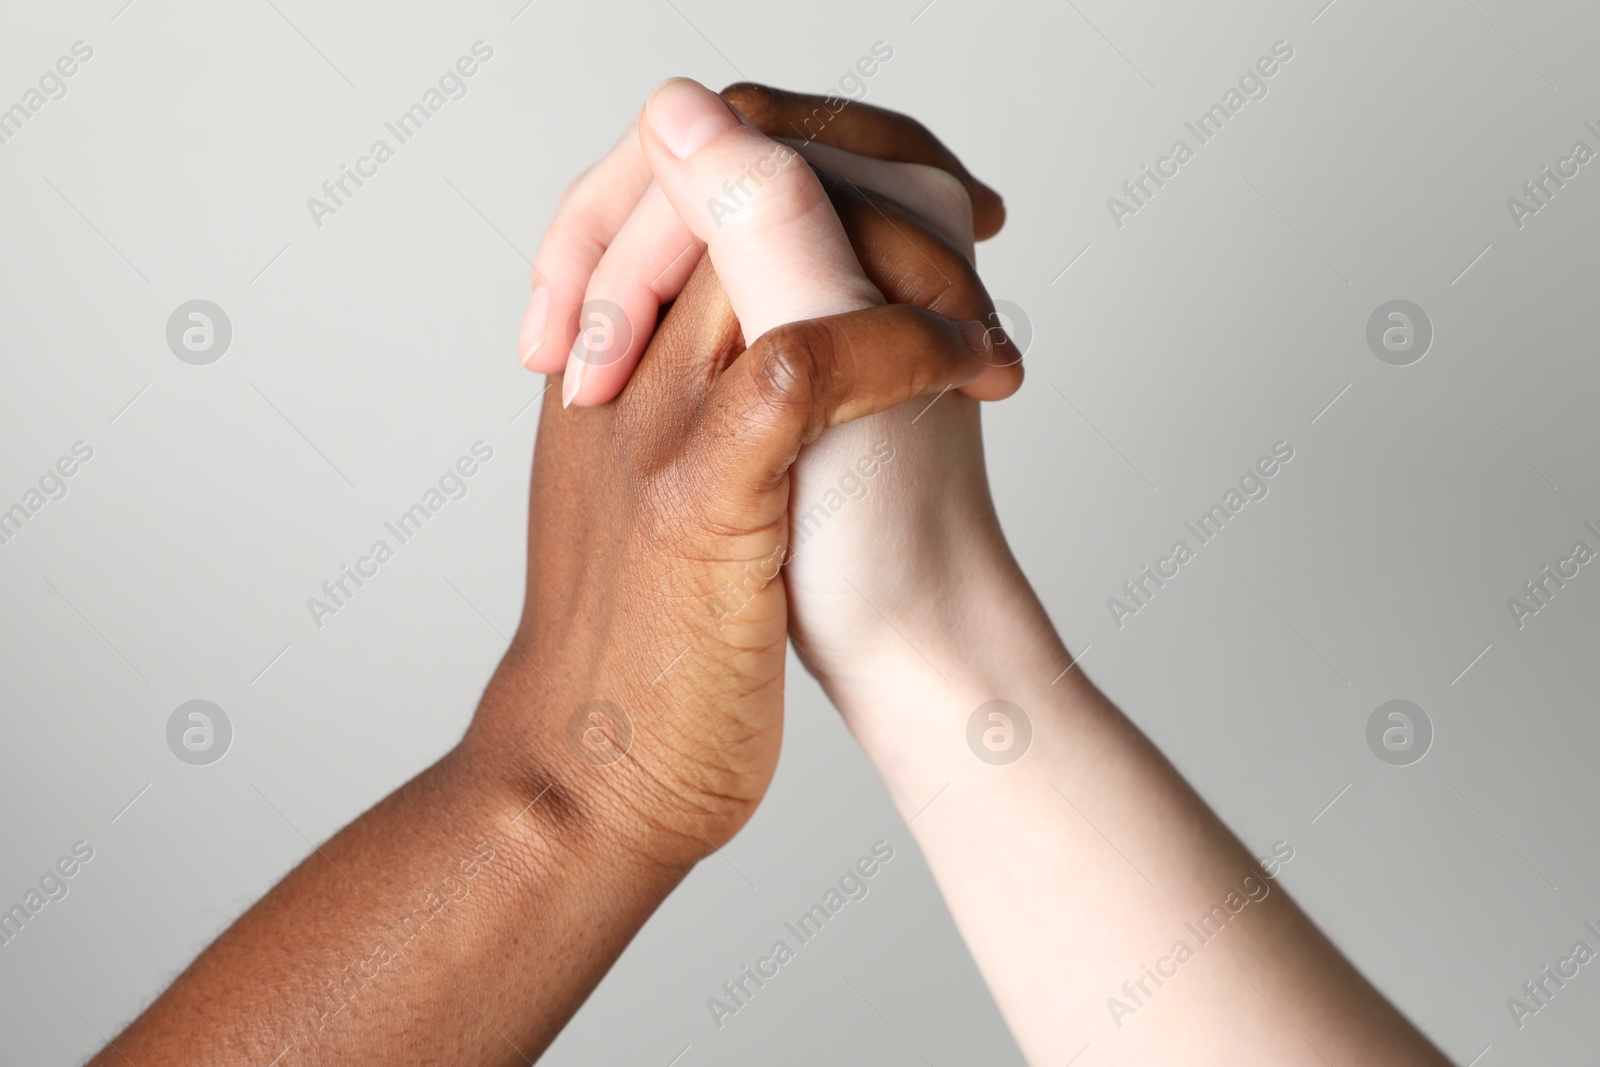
(577, 367)
(685, 115)
(977, 337)
(533, 322)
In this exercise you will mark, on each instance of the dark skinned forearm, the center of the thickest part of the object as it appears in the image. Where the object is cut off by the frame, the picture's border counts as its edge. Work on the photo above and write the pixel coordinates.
(462, 920)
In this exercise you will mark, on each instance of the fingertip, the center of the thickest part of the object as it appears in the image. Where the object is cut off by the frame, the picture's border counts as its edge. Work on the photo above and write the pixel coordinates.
(976, 335)
(751, 99)
(595, 381)
(1006, 353)
(1002, 373)
(681, 115)
(572, 379)
(606, 348)
(531, 334)
(588, 385)
(548, 354)
(995, 383)
(988, 211)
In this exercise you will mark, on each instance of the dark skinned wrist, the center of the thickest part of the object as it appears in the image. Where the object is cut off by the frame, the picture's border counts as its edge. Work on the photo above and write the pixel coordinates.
(569, 770)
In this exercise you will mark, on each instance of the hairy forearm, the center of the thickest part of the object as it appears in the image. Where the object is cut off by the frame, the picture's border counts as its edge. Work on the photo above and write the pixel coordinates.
(1077, 871)
(462, 920)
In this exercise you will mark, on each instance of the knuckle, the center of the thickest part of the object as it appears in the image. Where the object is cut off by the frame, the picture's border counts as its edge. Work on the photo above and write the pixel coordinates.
(572, 241)
(575, 195)
(795, 370)
(586, 203)
(963, 295)
(775, 191)
(940, 280)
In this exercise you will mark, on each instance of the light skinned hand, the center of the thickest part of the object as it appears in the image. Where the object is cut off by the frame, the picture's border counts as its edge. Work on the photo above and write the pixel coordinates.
(616, 251)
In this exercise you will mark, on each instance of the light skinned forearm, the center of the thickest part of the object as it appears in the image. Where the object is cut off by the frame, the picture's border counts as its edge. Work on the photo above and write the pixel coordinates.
(462, 920)
(1075, 872)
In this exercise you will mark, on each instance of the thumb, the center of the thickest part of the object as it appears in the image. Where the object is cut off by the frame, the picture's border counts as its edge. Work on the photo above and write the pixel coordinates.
(803, 377)
(772, 233)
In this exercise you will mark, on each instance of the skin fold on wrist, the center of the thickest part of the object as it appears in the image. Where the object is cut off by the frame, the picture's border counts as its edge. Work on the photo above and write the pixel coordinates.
(522, 750)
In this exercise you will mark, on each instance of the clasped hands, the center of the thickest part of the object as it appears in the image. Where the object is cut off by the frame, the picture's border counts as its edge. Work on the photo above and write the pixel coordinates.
(807, 309)
(792, 452)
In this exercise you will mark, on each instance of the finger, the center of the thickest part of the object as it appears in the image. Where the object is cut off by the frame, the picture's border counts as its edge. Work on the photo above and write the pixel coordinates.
(645, 266)
(865, 130)
(933, 194)
(629, 286)
(769, 228)
(800, 378)
(912, 264)
(937, 198)
(591, 212)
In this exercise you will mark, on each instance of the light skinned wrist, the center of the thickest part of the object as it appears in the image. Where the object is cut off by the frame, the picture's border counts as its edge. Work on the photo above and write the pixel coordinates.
(984, 638)
(974, 623)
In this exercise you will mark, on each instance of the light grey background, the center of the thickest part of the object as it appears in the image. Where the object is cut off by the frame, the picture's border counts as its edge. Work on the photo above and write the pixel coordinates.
(1226, 315)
